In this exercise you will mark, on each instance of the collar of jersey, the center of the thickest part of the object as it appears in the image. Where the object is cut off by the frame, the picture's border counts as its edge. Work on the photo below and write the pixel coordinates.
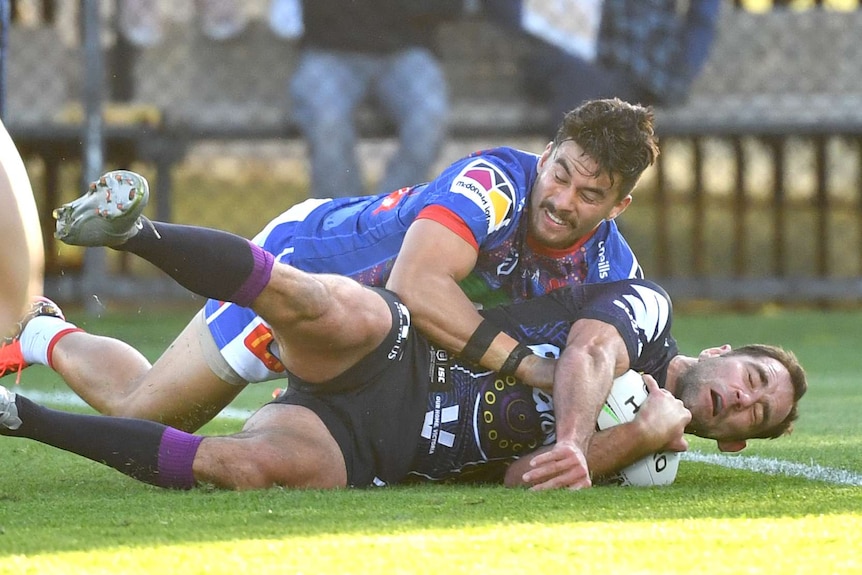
(556, 253)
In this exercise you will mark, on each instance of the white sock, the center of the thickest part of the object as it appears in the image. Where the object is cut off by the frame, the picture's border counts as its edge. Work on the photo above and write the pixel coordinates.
(40, 332)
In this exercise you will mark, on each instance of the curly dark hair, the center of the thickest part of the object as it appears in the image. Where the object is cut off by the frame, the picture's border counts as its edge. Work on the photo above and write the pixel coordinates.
(618, 135)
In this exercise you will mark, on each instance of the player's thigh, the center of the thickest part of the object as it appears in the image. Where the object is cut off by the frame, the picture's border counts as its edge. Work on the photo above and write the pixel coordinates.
(14, 264)
(22, 258)
(341, 323)
(181, 389)
(294, 448)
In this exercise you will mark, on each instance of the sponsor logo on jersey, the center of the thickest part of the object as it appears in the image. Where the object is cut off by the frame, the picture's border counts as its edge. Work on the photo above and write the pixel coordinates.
(439, 375)
(434, 419)
(397, 349)
(648, 311)
(489, 188)
(603, 265)
(508, 265)
(391, 201)
(260, 342)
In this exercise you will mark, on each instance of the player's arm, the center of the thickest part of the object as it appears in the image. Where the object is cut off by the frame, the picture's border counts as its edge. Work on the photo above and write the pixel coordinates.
(595, 352)
(658, 426)
(432, 260)
(610, 450)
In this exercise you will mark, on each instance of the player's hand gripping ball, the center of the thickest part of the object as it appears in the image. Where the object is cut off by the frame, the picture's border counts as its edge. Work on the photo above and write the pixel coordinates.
(627, 395)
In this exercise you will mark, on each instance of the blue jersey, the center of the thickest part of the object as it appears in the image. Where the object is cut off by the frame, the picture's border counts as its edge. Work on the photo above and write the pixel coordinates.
(478, 421)
(482, 198)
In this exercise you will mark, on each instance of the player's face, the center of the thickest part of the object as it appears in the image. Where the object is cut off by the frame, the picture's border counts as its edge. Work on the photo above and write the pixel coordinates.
(735, 397)
(568, 200)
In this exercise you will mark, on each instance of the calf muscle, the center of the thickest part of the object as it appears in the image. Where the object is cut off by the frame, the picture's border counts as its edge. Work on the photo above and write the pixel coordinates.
(281, 445)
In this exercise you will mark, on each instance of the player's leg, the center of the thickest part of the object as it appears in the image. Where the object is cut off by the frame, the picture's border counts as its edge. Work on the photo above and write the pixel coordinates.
(331, 321)
(284, 445)
(203, 370)
(323, 323)
(116, 379)
(280, 445)
(22, 257)
(179, 389)
(193, 379)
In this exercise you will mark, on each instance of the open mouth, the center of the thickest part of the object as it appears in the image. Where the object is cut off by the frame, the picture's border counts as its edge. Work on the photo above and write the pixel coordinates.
(717, 403)
(553, 217)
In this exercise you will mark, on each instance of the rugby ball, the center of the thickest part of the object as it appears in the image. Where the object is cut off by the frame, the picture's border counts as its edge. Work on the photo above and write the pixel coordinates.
(627, 395)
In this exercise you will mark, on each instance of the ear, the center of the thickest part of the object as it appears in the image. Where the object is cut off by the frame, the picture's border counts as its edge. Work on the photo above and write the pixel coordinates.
(620, 207)
(546, 154)
(714, 351)
(731, 446)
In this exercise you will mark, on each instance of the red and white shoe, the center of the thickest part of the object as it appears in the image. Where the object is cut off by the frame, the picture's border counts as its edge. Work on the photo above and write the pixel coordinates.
(11, 357)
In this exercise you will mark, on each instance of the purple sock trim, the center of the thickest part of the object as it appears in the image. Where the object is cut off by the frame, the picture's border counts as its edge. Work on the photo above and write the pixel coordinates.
(176, 455)
(257, 279)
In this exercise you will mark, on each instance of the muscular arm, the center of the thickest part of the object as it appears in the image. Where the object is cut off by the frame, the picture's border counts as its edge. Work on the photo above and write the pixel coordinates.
(432, 260)
(595, 353)
(610, 450)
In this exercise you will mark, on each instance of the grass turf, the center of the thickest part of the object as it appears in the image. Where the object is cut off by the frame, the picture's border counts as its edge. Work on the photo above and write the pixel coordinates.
(62, 514)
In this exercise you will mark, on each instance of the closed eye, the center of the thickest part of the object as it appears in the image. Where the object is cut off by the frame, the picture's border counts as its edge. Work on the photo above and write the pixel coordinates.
(763, 375)
(591, 196)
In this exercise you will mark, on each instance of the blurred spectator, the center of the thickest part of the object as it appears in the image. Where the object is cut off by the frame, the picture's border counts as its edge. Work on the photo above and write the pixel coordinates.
(380, 47)
(644, 51)
(140, 21)
(285, 18)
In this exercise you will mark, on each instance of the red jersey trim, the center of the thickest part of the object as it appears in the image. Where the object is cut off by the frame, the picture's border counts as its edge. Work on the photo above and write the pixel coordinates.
(451, 220)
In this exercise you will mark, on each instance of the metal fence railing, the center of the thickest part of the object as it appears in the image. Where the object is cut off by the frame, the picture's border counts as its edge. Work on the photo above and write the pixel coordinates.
(757, 197)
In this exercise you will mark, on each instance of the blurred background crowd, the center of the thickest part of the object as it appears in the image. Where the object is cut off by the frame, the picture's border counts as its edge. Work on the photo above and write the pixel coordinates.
(237, 110)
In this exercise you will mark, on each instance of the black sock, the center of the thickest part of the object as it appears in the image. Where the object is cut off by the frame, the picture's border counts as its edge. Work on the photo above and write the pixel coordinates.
(145, 450)
(211, 263)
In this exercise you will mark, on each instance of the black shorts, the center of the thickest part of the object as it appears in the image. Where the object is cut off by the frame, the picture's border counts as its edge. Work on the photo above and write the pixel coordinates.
(375, 410)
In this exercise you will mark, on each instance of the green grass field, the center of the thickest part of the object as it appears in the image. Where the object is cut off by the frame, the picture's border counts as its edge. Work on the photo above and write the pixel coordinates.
(63, 515)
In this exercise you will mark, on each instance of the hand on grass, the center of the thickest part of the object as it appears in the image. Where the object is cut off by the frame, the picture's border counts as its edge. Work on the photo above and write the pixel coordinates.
(564, 466)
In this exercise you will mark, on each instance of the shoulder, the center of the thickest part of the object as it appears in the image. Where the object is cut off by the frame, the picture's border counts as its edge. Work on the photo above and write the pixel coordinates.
(487, 188)
(609, 256)
(645, 304)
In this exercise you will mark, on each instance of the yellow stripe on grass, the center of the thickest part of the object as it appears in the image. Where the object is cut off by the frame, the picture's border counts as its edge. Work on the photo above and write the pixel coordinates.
(814, 544)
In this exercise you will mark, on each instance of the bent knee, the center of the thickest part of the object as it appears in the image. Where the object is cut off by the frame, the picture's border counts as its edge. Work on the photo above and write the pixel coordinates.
(243, 464)
(281, 445)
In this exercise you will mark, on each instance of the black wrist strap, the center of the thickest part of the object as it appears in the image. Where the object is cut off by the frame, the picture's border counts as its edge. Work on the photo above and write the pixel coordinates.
(515, 358)
(479, 342)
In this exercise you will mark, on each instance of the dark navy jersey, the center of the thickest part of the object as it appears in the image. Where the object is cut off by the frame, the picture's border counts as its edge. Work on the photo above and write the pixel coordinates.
(476, 417)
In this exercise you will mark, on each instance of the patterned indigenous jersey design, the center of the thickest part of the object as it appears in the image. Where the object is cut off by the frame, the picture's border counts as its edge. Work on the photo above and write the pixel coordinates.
(482, 198)
(477, 421)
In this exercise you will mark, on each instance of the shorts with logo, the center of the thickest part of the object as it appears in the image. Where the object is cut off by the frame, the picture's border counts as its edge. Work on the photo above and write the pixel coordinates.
(375, 410)
(242, 337)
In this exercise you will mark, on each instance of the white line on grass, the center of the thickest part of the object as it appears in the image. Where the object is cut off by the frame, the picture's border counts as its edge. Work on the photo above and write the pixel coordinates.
(68, 399)
(769, 466)
(811, 472)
